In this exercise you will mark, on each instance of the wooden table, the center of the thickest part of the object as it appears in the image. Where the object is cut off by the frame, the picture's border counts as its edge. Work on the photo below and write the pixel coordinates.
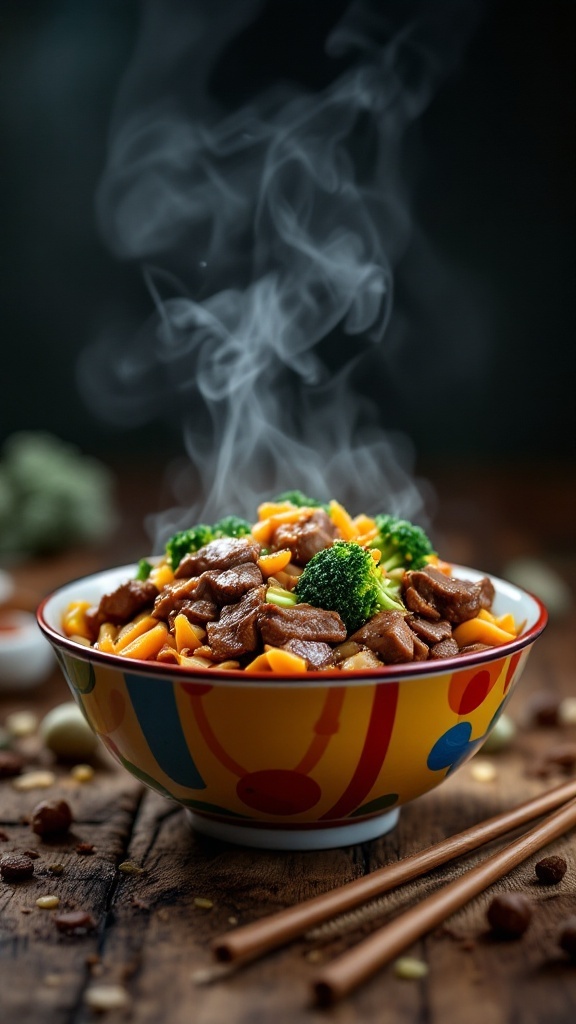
(151, 936)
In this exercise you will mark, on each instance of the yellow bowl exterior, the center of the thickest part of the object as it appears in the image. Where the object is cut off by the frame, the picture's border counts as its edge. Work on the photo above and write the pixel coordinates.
(291, 754)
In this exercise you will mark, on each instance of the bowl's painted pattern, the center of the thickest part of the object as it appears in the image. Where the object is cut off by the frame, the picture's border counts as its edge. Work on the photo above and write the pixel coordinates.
(292, 755)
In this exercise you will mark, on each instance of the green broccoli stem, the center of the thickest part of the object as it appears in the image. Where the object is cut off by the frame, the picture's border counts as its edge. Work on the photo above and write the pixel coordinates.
(391, 561)
(283, 598)
(388, 599)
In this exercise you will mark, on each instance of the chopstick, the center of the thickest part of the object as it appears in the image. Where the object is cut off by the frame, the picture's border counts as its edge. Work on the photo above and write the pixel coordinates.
(346, 972)
(252, 940)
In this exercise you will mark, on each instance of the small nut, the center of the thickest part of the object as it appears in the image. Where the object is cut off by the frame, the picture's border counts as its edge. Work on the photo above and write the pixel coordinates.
(11, 764)
(551, 870)
(51, 817)
(15, 867)
(567, 937)
(410, 968)
(106, 997)
(21, 723)
(509, 914)
(40, 779)
(483, 771)
(75, 922)
(47, 902)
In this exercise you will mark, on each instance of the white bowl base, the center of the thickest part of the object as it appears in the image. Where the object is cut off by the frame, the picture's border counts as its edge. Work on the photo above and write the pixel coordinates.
(295, 839)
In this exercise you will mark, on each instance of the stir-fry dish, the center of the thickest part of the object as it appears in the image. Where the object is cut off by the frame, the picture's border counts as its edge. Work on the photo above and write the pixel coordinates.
(307, 587)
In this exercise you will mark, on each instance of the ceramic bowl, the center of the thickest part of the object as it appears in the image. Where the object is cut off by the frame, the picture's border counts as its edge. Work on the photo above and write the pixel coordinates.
(26, 659)
(302, 762)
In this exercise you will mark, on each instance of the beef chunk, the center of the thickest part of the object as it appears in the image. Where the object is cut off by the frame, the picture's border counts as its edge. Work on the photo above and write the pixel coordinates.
(301, 622)
(198, 612)
(224, 553)
(445, 649)
(232, 584)
(128, 600)
(445, 596)
(306, 537)
(173, 596)
(316, 654)
(388, 635)
(430, 632)
(236, 633)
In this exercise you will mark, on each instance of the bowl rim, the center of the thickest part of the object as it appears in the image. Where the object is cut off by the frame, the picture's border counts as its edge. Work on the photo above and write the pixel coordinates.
(331, 677)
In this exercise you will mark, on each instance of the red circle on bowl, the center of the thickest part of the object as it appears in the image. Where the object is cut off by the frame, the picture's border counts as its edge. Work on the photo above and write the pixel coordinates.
(278, 791)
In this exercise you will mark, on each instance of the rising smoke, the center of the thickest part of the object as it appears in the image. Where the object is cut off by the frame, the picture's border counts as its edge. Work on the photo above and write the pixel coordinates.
(265, 199)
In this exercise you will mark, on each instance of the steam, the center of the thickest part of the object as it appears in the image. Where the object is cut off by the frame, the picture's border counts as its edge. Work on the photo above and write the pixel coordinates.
(267, 232)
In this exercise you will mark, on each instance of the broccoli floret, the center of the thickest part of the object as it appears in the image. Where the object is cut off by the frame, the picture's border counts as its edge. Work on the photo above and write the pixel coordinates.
(344, 578)
(185, 541)
(231, 526)
(144, 569)
(299, 499)
(402, 544)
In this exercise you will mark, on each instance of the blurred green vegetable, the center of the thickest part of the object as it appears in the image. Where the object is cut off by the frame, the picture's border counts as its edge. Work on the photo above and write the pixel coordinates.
(51, 496)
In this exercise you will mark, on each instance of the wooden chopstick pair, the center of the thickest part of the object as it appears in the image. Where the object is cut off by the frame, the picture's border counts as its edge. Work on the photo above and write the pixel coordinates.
(348, 971)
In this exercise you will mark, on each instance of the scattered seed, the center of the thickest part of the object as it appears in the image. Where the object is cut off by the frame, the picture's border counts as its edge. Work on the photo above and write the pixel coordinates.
(33, 854)
(233, 921)
(48, 902)
(483, 771)
(410, 968)
(128, 867)
(75, 922)
(40, 779)
(567, 711)
(551, 870)
(56, 869)
(542, 708)
(500, 737)
(52, 980)
(82, 772)
(203, 903)
(314, 956)
(11, 764)
(85, 849)
(106, 997)
(15, 867)
(21, 723)
(509, 914)
(51, 817)
(567, 937)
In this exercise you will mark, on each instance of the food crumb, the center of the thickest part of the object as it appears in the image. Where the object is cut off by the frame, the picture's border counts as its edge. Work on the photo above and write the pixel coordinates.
(483, 771)
(314, 956)
(40, 779)
(106, 997)
(128, 867)
(47, 902)
(82, 772)
(509, 914)
(85, 849)
(551, 870)
(409, 968)
(567, 711)
(233, 921)
(21, 724)
(203, 903)
(56, 869)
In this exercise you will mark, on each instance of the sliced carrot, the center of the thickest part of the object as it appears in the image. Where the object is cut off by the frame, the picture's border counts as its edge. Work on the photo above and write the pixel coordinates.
(508, 623)
(259, 664)
(184, 634)
(485, 614)
(133, 630)
(272, 508)
(106, 644)
(343, 520)
(365, 524)
(148, 644)
(481, 631)
(263, 530)
(285, 661)
(168, 653)
(270, 564)
(74, 619)
(161, 575)
(439, 564)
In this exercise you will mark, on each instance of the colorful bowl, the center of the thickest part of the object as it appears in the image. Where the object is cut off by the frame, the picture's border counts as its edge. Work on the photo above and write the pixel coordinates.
(305, 762)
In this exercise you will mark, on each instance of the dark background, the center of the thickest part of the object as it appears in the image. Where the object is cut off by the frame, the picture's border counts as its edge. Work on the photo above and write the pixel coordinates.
(492, 187)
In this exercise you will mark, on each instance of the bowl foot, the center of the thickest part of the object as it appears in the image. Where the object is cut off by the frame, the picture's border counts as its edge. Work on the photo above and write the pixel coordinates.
(295, 839)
